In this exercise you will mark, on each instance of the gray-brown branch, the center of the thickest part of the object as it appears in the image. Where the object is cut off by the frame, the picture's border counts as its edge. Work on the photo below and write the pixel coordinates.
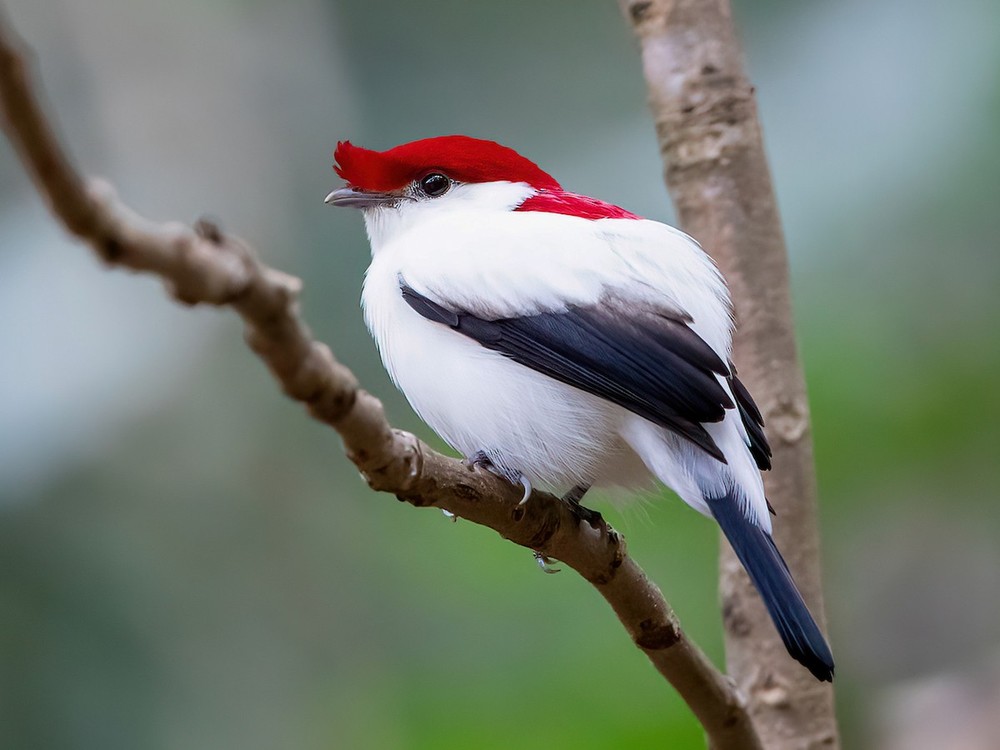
(717, 173)
(201, 265)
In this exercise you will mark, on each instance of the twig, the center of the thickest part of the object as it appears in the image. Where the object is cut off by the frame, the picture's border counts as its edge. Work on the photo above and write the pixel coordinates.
(201, 265)
(717, 174)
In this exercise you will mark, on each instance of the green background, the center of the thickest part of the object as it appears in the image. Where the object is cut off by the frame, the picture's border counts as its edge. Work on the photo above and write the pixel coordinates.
(187, 561)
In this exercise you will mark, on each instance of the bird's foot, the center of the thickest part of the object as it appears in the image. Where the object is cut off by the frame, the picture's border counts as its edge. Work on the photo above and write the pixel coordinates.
(545, 563)
(483, 460)
(573, 498)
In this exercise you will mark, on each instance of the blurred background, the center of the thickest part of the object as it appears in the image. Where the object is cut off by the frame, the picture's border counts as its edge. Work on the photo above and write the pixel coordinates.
(187, 561)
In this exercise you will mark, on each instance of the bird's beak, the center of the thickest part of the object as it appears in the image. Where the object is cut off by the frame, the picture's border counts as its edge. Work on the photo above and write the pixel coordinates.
(360, 198)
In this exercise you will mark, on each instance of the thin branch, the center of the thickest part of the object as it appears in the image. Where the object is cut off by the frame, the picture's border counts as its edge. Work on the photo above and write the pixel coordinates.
(201, 265)
(717, 174)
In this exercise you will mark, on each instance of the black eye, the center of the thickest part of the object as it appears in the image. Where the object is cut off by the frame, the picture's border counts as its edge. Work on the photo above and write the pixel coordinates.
(435, 184)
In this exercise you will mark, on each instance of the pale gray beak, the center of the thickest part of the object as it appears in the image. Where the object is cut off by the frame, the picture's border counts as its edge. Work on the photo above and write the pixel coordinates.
(360, 198)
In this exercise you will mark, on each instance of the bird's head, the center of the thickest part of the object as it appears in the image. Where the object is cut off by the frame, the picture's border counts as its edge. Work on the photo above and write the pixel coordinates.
(417, 181)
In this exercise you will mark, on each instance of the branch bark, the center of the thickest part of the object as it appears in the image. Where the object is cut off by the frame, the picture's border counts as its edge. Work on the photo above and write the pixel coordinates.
(201, 265)
(717, 173)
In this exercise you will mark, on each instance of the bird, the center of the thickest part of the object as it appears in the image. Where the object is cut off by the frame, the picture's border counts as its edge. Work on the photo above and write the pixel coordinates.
(562, 341)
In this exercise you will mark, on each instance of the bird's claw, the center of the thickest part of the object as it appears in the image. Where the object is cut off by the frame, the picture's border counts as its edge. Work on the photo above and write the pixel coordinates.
(482, 459)
(591, 517)
(545, 563)
(526, 483)
(573, 498)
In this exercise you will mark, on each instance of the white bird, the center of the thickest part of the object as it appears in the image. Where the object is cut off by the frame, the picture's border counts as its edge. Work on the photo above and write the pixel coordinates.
(562, 341)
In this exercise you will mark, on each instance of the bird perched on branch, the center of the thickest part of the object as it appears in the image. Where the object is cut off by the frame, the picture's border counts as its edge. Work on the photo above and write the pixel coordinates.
(563, 341)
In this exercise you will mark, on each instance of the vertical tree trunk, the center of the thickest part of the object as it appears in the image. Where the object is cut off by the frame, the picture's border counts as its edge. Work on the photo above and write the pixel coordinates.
(717, 174)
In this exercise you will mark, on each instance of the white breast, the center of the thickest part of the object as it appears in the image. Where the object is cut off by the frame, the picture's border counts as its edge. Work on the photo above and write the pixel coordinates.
(477, 399)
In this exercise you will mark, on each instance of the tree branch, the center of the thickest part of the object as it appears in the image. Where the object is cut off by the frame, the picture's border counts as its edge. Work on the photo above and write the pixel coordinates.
(201, 265)
(717, 174)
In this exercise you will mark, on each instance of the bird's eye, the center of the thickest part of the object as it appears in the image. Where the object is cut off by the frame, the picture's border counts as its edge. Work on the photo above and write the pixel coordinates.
(434, 184)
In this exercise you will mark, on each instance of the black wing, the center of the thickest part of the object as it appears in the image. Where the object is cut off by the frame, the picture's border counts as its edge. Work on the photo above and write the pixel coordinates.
(760, 449)
(652, 363)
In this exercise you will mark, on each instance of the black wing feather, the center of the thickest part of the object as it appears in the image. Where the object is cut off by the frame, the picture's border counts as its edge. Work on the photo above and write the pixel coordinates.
(760, 449)
(428, 309)
(654, 365)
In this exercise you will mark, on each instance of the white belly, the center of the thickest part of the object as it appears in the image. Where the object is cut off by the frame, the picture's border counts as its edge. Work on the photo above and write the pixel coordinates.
(477, 399)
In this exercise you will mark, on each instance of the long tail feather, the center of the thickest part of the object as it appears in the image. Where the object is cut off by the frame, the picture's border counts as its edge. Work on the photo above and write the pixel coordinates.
(769, 573)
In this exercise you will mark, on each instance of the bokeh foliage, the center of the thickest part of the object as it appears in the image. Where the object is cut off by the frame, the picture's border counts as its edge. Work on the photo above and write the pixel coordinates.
(186, 561)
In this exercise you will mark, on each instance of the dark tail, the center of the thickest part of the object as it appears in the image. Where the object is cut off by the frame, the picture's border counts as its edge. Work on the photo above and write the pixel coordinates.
(769, 573)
